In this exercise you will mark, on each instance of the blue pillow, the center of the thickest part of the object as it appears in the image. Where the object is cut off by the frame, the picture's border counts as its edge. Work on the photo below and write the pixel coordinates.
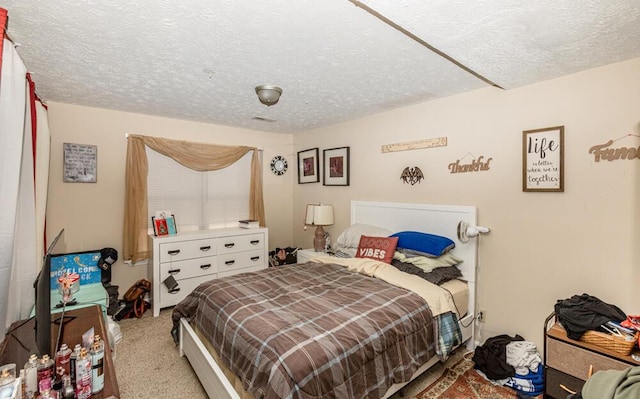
(429, 244)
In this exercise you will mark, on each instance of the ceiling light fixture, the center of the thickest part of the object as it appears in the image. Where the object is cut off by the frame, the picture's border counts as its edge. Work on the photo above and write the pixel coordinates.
(268, 95)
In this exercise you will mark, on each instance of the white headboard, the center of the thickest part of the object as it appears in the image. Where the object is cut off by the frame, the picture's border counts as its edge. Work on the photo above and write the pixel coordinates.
(427, 218)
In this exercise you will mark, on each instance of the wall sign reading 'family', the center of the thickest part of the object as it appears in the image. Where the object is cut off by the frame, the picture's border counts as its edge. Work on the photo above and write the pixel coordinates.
(608, 153)
(543, 159)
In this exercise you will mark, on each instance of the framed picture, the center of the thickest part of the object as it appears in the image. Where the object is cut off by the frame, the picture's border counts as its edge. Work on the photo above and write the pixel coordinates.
(336, 166)
(543, 159)
(80, 163)
(160, 227)
(171, 225)
(308, 166)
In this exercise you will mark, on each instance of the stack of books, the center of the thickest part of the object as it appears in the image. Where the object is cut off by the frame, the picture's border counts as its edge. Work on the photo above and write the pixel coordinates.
(249, 224)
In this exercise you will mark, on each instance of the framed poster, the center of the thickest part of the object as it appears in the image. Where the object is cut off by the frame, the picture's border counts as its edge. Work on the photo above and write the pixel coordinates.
(336, 166)
(308, 166)
(80, 163)
(543, 159)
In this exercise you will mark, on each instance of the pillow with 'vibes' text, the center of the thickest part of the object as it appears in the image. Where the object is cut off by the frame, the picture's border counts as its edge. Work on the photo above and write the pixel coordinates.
(378, 248)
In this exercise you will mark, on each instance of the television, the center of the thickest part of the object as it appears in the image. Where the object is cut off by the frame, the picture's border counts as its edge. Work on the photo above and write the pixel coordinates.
(43, 287)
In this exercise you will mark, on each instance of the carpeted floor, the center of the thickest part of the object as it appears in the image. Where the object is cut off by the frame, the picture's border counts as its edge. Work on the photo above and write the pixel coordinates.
(148, 364)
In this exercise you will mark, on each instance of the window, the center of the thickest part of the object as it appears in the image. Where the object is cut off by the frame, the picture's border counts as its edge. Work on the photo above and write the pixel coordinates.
(199, 200)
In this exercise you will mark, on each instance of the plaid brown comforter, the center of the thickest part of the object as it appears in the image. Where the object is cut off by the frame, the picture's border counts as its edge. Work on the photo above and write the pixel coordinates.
(313, 331)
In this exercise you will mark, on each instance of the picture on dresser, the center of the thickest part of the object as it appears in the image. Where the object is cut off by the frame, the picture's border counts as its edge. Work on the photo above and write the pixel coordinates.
(171, 225)
(160, 227)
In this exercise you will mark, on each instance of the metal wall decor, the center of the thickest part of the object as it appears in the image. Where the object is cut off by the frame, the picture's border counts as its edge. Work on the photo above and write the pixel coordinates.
(411, 175)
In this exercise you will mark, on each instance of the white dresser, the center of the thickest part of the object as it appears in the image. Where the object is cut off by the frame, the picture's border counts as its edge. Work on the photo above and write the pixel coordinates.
(197, 256)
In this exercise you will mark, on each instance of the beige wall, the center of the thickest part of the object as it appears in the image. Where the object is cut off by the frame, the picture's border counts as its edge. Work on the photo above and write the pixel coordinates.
(543, 246)
(92, 214)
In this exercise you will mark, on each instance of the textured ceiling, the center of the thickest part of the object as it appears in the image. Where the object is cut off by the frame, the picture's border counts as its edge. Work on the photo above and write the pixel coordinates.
(335, 60)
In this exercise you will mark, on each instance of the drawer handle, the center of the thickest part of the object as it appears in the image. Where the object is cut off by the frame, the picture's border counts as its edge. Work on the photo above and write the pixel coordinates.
(205, 267)
(174, 291)
(231, 245)
(173, 252)
(174, 271)
(208, 247)
(255, 258)
(567, 389)
(255, 242)
(230, 262)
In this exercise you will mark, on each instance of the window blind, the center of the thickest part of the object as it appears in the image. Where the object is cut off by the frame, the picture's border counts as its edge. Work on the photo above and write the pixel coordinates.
(198, 200)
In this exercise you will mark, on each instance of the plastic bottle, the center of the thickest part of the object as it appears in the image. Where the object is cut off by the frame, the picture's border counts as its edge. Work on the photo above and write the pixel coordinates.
(63, 357)
(83, 375)
(45, 390)
(45, 369)
(67, 388)
(97, 365)
(31, 377)
(72, 363)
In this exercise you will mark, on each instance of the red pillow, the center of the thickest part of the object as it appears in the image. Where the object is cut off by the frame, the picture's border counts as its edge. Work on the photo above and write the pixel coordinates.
(378, 248)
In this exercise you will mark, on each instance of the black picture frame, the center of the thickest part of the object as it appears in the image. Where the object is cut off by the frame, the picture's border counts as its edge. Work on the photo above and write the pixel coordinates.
(336, 167)
(308, 166)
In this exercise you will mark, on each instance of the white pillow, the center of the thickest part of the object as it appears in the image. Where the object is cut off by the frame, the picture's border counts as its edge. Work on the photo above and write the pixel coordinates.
(350, 237)
(428, 264)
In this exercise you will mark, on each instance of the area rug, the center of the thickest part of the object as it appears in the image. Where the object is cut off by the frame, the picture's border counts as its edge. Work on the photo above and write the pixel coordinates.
(461, 381)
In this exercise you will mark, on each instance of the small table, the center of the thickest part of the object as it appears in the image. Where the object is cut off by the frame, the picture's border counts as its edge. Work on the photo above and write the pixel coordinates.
(87, 295)
(569, 363)
(20, 343)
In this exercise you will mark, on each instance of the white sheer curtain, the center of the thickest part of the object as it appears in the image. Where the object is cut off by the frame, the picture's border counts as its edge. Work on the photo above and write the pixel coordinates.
(19, 236)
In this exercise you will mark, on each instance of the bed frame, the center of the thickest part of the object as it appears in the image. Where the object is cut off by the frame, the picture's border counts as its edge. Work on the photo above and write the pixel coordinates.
(436, 219)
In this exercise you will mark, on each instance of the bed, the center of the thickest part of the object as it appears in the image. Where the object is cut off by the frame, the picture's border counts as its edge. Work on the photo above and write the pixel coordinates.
(393, 362)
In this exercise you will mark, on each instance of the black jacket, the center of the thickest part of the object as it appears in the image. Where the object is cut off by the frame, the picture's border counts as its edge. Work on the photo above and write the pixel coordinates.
(585, 312)
(491, 357)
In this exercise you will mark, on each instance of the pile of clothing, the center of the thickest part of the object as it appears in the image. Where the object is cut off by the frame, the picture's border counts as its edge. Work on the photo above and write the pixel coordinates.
(581, 313)
(512, 362)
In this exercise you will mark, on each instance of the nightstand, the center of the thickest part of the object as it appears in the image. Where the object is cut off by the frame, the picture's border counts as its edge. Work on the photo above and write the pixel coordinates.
(305, 255)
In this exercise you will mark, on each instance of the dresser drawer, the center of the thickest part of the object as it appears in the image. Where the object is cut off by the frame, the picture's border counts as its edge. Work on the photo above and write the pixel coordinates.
(240, 243)
(175, 251)
(189, 268)
(577, 361)
(241, 260)
(232, 272)
(555, 380)
(184, 288)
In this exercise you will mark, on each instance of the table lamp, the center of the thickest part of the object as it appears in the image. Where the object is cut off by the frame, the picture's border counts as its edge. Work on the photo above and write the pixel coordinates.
(319, 215)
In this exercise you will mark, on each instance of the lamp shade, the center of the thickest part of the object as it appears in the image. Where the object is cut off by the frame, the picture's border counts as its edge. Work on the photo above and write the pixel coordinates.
(319, 215)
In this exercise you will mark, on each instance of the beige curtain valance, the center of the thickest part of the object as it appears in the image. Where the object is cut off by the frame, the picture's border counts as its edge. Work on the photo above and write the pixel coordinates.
(198, 156)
